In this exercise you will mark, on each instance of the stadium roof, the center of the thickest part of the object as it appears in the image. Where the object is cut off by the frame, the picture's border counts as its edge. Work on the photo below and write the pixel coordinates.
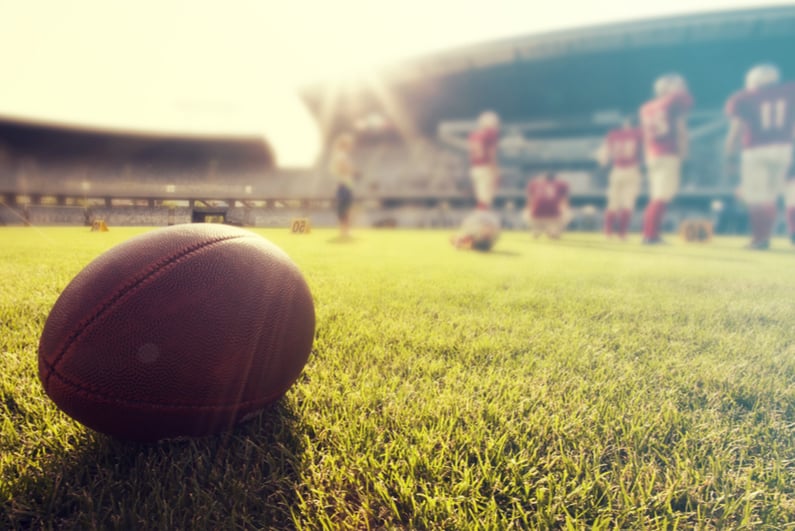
(658, 32)
(55, 142)
(571, 72)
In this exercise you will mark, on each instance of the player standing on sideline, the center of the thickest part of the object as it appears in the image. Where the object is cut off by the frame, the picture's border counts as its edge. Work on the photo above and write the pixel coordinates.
(622, 149)
(341, 166)
(764, 114)
(547, 206)
(664, 126)
(485, 171)
(789, 200)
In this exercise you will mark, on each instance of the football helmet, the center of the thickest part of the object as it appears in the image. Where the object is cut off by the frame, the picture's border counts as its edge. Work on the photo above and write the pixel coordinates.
(668, 84)
(488, 120)
(482, 229)
(761, 75)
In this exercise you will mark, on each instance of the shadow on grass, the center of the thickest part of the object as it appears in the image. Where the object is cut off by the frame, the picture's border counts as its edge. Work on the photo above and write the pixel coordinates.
(638, 248)
(775, 251)
(342, 239)
(246, 478)
(501, 252)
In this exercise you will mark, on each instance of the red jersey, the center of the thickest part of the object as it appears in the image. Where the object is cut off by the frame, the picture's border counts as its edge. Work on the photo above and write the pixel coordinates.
(546, 197)
(483, 146)
(659, 118)
(623, 147)
(767, 114)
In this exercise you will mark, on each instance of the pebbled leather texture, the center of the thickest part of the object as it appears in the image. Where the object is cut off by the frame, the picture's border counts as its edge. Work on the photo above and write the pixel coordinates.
(182, 331)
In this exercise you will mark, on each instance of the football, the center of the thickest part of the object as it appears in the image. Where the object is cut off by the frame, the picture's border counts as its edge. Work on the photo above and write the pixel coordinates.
(182, 331)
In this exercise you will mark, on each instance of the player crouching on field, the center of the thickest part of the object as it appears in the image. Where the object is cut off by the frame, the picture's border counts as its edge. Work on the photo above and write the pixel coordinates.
(479, 231)
(547, 210)
(664, 126)
(621, 150)
(764, 114)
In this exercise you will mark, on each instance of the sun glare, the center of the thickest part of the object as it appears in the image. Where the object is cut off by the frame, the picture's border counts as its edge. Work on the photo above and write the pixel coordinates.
(201, 68)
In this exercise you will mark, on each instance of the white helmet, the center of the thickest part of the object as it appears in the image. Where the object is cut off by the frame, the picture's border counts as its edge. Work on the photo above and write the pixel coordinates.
(488, 120)
(668, 84)
(761, 75)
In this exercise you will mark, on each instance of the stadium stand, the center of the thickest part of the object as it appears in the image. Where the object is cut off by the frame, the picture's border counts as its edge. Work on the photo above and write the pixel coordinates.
(557, 93)
(145, 216)
(418, 167)
(10, 216)
(56, 215)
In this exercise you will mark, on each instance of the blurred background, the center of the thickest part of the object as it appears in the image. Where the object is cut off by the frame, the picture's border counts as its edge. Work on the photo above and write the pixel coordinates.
(154, 113)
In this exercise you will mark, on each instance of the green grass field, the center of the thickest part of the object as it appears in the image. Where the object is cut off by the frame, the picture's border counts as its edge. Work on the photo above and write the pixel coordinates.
(572, 384)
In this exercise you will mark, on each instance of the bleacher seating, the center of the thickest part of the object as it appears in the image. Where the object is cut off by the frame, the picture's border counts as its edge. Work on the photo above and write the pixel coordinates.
(409, 168)
(56, 215)
(390, 168)
(74, 182)
(395, 173)
(141, 216)
(10, 216)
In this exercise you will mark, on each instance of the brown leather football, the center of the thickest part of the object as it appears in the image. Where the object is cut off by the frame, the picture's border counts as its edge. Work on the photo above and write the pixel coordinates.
(182, 331)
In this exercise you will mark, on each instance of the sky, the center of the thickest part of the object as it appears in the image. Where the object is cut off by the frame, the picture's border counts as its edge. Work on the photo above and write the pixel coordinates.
(233, 67)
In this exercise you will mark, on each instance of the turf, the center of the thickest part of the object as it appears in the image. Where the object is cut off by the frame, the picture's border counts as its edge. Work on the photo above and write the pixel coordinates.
(572, 384)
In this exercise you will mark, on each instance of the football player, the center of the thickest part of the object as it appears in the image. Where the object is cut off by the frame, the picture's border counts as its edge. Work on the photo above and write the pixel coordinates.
(479, 231)
(665, 142)
(789, 201)
(622, 150)
(763, 114)
(547, 208)
(483, 158)
(342, 168)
